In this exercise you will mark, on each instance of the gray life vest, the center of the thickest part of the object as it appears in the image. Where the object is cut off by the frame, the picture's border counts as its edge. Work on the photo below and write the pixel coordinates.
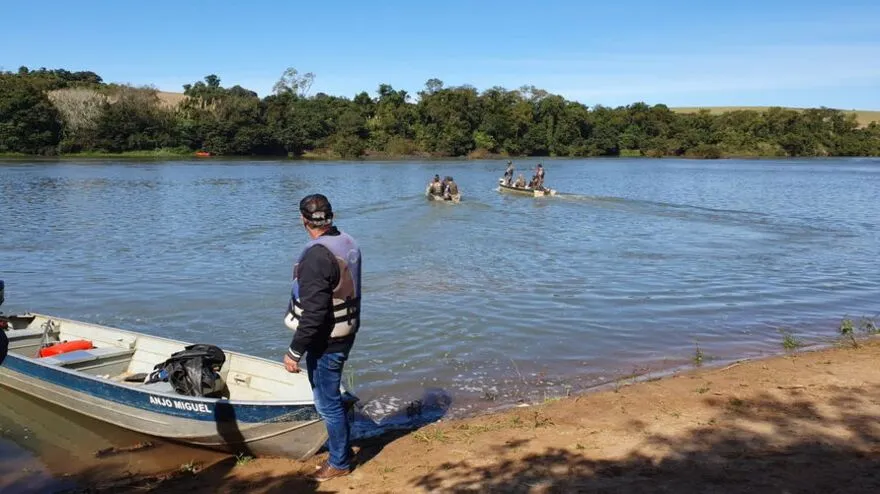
(436, 188)
(346, 294)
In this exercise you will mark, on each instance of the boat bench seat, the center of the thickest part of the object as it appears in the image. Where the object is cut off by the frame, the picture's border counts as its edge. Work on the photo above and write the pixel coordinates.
(24, 338)
(82, 356)
(21, 334)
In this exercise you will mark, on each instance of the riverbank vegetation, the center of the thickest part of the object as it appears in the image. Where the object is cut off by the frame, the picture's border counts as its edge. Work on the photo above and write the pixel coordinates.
(58, 112)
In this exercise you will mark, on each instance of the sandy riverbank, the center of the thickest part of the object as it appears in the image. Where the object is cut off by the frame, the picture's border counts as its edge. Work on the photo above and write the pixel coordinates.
(809, 422)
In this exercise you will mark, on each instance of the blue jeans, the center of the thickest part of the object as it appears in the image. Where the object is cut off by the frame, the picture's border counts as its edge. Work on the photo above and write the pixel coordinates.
(4, 345)
(325, 376)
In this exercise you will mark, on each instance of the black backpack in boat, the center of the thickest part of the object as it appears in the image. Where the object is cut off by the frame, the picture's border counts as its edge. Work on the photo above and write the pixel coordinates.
(193, 370)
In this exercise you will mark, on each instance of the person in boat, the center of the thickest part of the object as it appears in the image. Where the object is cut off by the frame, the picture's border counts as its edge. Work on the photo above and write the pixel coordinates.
(435, 187)
(508, 173)
(538, 179)
(324, 313)
(451, 189)
(520, 182)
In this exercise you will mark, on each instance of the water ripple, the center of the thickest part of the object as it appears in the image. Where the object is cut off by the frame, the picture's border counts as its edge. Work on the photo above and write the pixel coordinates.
(495, 300)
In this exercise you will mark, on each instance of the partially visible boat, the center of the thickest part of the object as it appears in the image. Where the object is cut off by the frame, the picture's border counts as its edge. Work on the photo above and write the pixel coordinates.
(203, 154)
(526, 191)
(263, 409)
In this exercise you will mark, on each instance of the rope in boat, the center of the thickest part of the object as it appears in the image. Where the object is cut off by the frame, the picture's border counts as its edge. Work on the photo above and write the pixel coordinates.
(47, 327)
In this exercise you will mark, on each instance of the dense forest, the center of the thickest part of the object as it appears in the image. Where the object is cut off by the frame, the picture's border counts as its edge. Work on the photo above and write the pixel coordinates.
(51, 112)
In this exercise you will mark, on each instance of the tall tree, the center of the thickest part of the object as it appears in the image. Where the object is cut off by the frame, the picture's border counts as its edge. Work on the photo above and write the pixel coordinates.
(28, 121)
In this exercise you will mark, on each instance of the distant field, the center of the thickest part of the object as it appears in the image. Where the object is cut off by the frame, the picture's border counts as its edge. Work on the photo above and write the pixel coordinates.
(171, 99)
(864, 117)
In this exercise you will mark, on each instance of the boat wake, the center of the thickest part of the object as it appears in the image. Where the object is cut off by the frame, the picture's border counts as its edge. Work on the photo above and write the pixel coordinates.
(689, 212)
(386, 205)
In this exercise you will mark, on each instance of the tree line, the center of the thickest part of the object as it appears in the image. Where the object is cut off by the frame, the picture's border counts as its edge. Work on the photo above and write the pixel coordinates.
(49, 112)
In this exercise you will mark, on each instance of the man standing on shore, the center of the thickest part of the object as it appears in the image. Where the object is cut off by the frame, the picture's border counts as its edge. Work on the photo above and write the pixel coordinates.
(324, 313)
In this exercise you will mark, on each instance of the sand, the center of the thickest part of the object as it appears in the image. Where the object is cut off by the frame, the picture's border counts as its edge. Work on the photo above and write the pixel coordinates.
(804, 422)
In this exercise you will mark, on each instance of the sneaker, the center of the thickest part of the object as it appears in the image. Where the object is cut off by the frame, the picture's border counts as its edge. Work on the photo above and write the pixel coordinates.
(326, 472)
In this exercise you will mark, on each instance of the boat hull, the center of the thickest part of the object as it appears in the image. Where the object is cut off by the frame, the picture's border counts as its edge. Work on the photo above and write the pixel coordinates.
(266, 411)
(453, 200)
(277, 430)
(526, 191)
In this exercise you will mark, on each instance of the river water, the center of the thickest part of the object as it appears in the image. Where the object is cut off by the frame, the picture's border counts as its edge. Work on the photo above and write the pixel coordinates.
(494, 301)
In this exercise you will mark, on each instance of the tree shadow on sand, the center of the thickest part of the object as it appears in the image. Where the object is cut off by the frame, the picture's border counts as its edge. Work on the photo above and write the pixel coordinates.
(780, 444)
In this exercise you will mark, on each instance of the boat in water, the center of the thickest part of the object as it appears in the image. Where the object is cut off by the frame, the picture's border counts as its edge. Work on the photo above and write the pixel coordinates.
(526, 191)
(100, 372)
(451, 199)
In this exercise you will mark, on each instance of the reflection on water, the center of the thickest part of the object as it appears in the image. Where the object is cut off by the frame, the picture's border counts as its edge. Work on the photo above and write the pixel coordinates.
(42, 444)
(497, 300)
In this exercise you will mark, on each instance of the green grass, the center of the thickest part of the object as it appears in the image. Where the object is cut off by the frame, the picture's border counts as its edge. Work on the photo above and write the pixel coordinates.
(429, 435)
(699, 356)
(789, 342)
(242, 459)
(156, 153)
(322, 155)
(847, 330)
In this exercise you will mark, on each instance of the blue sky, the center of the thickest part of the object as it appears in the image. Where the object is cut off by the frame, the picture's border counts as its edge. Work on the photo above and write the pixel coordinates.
(681, 53)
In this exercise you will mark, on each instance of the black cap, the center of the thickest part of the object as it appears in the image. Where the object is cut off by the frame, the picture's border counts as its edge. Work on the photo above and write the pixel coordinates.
(316, 209)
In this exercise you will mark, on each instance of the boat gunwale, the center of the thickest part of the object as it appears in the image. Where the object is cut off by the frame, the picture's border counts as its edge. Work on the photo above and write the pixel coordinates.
(273, 403)
(196, 440)
(527, 190)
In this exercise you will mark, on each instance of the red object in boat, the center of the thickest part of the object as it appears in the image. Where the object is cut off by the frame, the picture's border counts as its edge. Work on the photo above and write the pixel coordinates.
(67, 346)
(203, 153)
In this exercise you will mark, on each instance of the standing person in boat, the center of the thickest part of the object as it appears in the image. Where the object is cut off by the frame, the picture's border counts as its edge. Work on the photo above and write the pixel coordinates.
(435, 187)
(508, 173)
(539, 177)
(451, 189)
(324, 313)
